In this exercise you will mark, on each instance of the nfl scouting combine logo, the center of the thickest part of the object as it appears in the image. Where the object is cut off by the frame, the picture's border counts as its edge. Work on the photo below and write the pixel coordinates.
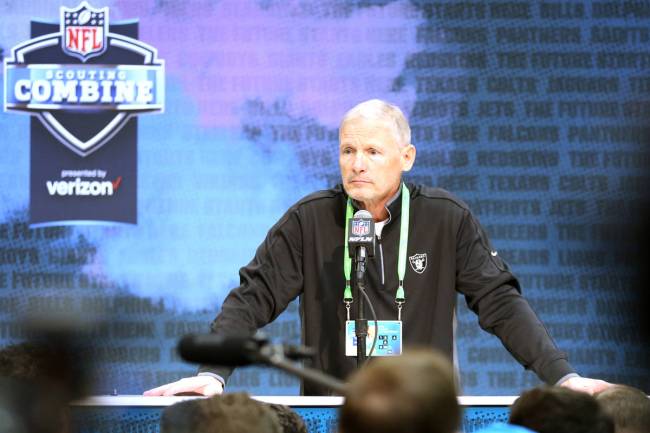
(88, 90)
(84, 79)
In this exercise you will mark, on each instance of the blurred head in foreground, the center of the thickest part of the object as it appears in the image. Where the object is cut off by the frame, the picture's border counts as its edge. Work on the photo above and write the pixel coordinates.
(36, 384)
(36, 362)
(560, 410)
(628, 407)
(227, 413)
(289, 420)
(414, 393)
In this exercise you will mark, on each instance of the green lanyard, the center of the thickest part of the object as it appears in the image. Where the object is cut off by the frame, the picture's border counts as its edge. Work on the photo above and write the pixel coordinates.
(400, 297)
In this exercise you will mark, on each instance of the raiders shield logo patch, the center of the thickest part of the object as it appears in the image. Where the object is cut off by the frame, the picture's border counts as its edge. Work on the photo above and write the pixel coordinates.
(418, 262)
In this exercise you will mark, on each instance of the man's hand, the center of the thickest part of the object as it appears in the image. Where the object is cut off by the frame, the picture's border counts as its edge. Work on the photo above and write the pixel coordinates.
(584, 384)
(203, 385)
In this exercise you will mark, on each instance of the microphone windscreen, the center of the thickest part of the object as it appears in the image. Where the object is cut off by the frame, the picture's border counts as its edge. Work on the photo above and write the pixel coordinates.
(362, 214)
(211, 349)
(361, 234)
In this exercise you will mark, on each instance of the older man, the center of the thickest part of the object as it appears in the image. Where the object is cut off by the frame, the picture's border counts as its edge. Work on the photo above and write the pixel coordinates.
(444, 251)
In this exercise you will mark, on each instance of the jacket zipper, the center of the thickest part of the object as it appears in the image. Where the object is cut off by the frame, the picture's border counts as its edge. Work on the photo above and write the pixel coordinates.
(381, 260)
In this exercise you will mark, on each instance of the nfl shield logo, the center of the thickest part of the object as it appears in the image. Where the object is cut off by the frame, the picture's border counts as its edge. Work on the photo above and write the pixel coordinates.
(83, 31)
(360, 227)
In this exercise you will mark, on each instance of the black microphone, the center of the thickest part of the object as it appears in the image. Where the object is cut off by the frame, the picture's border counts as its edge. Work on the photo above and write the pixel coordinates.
(228, 351)
(233, 351)
(361, 234)
(240, 350)
(361, 245)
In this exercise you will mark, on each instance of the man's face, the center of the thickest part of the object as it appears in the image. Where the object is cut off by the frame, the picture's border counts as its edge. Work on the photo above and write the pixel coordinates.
(371, 159)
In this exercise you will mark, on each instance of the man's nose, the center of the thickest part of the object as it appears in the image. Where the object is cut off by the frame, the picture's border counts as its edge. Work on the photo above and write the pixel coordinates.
(359, 163)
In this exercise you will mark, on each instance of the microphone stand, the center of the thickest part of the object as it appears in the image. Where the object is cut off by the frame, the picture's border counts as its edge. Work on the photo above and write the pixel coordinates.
(361, 323)
(274, 355)
(200, 348)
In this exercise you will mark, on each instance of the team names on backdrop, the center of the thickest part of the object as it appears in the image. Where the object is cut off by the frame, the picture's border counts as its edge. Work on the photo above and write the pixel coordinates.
(83, 79)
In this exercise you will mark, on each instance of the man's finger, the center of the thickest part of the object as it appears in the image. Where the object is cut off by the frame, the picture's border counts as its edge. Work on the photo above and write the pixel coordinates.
(213, 389)
(156, 391)
(187, 384)
(585, 384)
(205, 385)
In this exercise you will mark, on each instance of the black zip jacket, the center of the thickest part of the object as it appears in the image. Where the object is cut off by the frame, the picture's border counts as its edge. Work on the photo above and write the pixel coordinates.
(302, 255)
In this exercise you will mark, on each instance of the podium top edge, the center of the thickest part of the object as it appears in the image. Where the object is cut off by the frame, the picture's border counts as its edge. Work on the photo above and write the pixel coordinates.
(293, 401)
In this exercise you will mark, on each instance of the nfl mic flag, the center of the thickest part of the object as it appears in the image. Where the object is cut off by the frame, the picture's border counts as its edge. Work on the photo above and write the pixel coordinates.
(361, 233)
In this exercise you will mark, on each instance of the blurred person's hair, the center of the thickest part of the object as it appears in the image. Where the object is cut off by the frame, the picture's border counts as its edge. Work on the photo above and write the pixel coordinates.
(412, 393)
(227, 413)
(560, 410)
(34, 362)
(36, 384)
(628, 407)
(289, 420)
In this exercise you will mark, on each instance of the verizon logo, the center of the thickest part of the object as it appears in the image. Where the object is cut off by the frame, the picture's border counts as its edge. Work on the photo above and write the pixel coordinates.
(80, 187)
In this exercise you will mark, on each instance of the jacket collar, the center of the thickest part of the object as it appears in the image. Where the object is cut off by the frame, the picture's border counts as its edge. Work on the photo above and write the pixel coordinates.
(393, 205)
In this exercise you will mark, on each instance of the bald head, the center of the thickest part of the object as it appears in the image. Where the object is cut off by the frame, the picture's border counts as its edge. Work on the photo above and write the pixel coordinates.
(389, 114)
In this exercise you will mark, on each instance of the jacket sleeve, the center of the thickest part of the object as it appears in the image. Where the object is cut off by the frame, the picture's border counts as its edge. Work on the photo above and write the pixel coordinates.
(267, 284)
(493, 293)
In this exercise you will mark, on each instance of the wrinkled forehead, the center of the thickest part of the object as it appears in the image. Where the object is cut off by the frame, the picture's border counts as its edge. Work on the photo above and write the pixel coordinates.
(360, 128)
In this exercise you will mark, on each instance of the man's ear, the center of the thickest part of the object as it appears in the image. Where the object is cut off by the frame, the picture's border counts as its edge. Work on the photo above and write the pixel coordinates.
(408, 157)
